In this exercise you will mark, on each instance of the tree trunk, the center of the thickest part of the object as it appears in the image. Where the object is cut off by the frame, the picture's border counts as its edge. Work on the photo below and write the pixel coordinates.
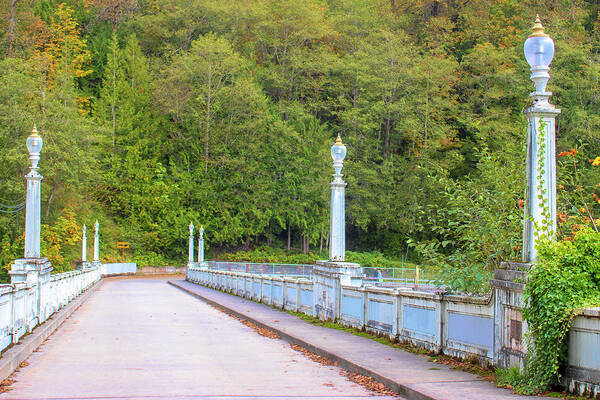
(207, 134)
(114, 97)
(11, 27)
(386, 144)
(133, 64)
(289, 243)
(321, 244)
(50, 199)
(306, 245)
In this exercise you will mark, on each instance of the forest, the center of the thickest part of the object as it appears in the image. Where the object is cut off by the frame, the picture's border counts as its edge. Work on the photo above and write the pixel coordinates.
(155, 113)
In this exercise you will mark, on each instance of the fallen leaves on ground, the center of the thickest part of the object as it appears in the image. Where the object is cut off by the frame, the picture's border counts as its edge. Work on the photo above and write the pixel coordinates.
(365, 381)
(6, 384)
(261, 331)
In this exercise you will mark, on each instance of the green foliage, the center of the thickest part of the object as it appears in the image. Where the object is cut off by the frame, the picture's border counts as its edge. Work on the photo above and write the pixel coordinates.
(565, 279)
(265, 254)
(479, 225)
(508, 377)
(159, 112)
(271, 255)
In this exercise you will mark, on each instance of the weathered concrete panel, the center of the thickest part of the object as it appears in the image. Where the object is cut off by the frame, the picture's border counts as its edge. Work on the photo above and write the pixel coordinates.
(583, 372)
(306, 299)
(291, 296)
(381, 311)
(472, 331)
(277, 293)
(419, 319)
(266, 291)
(352, 309)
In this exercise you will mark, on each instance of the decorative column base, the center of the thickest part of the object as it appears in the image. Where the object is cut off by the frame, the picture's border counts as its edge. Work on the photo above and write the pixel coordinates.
(328, 278)
(30, 270)
(509, 327)
(33, 272)
(82, 265)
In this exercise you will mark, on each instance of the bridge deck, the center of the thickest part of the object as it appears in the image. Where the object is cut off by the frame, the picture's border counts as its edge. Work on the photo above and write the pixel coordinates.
(142, 338)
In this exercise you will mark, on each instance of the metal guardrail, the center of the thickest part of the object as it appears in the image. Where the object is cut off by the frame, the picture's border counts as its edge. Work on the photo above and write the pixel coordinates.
(386, 277)
(263, 268)
(394, 277)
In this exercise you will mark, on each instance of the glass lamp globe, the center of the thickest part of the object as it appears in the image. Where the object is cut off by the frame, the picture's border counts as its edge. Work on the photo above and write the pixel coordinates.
(539, 47)
(34, 142)
(338, 150)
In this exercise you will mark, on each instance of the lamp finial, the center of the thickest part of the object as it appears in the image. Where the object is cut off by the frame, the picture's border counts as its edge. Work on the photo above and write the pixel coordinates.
(538, 28)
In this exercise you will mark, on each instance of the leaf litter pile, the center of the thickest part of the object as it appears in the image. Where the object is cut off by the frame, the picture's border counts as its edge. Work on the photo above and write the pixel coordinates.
(6, 384)
(365, 381)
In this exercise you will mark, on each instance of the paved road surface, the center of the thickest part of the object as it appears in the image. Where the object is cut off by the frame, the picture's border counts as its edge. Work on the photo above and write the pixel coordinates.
(144, 339)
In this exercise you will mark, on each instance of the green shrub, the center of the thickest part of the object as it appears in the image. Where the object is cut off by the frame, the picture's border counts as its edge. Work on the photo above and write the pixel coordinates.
(265, 254)
(565, 279)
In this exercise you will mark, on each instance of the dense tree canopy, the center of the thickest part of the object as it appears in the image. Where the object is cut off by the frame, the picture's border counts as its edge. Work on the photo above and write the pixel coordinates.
(158, 112)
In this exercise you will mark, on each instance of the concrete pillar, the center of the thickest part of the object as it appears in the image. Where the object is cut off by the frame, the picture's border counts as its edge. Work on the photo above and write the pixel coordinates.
(540, 198)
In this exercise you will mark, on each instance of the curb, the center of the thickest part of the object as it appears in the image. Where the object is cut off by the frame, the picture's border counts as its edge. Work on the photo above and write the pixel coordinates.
(19, 352)
(401, 389)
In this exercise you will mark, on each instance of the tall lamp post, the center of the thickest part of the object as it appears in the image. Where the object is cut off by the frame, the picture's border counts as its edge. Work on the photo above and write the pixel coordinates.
(201, 246)
(191, 245)
(96, 243)
(337, 223)
(540, 210)
(34, 183)
(32, 267)
(84, 245)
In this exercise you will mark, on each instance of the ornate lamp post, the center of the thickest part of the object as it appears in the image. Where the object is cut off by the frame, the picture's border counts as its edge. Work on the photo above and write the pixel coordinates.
(201, 246)
(84, 245)
(96, 242)
(34, 183)
(191, 245)
(337, 222)
(540, 210)
(32, 267)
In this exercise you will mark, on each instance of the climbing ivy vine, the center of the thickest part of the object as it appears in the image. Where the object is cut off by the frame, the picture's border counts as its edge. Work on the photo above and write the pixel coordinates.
(565, 279)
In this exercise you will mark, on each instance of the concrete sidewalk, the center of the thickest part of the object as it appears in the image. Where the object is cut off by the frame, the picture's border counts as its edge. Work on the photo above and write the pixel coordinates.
(410, 375)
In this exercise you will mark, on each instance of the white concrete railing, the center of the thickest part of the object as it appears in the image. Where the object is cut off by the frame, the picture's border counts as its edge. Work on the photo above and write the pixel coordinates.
(455, 325)
(462, 326)
(24, 305)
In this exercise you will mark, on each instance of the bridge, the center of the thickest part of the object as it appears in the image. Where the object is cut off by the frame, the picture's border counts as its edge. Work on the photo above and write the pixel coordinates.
(140, 338)
(242, 331)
